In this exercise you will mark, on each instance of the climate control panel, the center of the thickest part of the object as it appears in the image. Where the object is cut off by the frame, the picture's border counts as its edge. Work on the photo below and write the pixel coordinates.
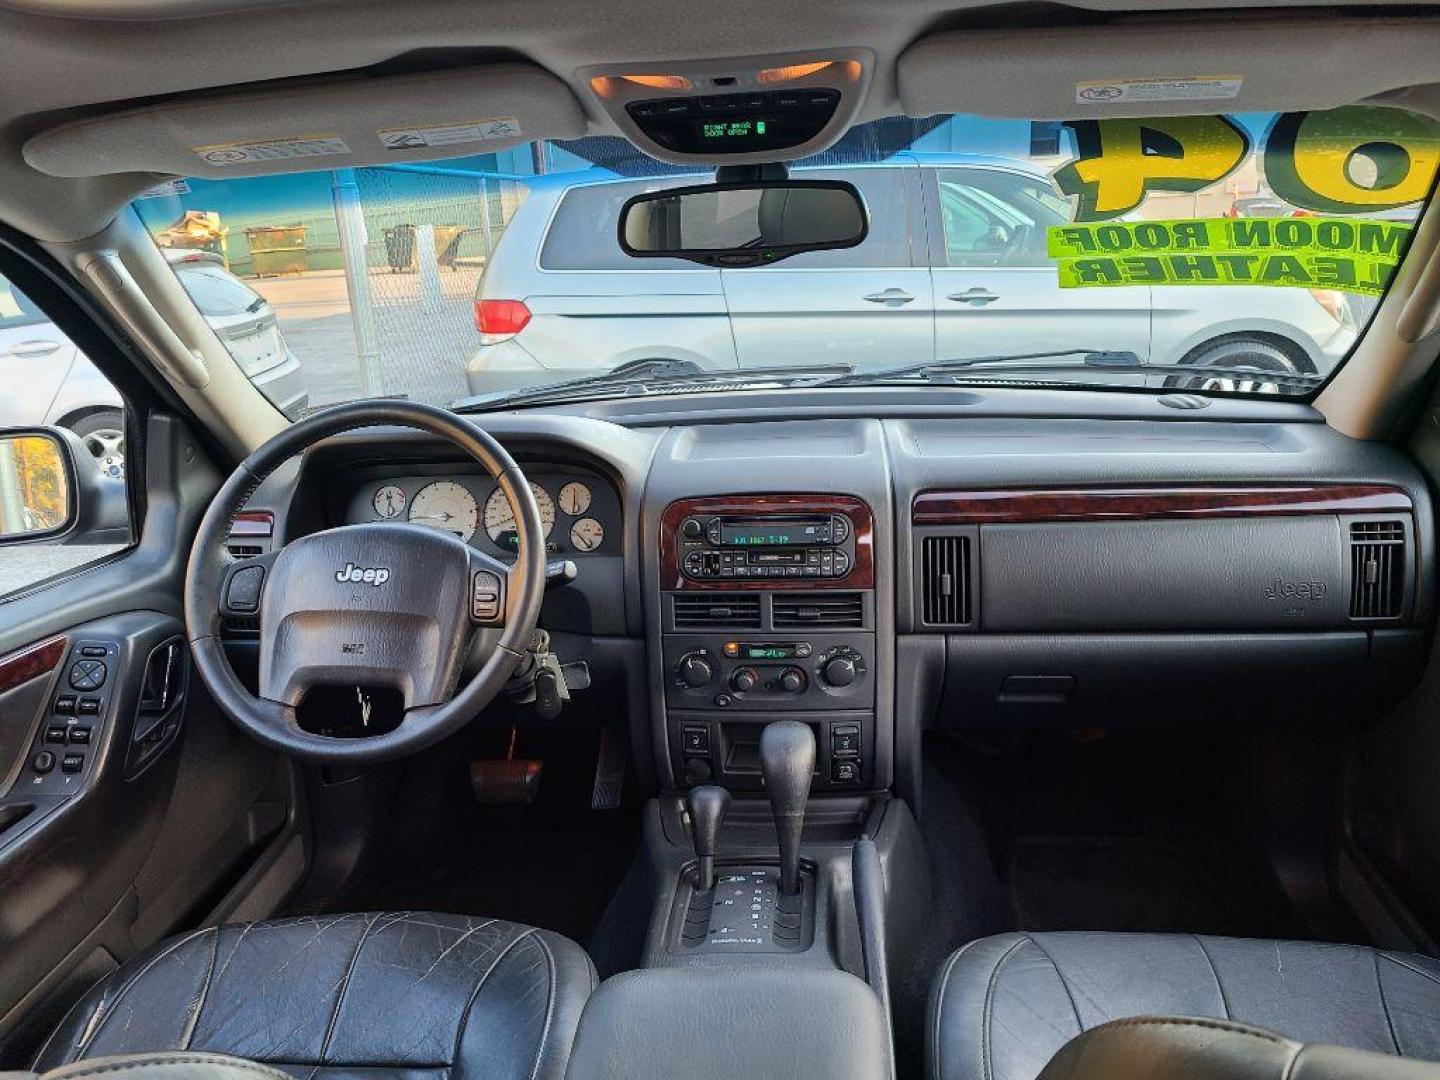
(719, 672)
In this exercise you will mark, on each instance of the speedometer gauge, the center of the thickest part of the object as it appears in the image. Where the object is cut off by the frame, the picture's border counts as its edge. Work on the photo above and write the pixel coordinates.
(446, 505)
(500, 518)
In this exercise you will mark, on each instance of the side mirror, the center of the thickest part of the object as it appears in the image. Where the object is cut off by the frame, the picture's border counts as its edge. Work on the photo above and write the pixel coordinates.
(51, 491)
(754, 223)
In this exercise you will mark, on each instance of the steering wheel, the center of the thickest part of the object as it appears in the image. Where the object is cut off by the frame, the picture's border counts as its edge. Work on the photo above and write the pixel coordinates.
(384, 604)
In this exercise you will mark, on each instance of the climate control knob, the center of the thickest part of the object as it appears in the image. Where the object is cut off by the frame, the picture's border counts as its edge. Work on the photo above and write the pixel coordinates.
(745, 678)
(839, 671)
(694, 670)
(792, 680)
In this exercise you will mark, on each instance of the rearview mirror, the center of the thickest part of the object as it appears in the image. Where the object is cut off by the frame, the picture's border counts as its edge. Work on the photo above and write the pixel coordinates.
(743, 224)
(35, 486)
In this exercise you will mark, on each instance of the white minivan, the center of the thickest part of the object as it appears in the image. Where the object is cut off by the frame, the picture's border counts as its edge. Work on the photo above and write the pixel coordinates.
(954, 266)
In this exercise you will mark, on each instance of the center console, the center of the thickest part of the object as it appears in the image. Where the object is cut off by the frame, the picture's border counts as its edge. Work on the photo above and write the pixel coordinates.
(768, 607)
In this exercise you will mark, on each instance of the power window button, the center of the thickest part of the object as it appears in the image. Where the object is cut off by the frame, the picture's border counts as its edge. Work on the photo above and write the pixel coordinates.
(72, 763)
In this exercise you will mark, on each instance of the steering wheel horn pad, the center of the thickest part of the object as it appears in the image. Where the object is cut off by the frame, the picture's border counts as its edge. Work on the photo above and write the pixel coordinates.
(378, 604)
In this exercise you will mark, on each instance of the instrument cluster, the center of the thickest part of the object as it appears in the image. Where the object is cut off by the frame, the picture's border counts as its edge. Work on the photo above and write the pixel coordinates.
(579, 511)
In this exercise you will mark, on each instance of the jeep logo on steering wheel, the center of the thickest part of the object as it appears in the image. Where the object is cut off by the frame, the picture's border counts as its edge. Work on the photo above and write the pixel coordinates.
(368, 575)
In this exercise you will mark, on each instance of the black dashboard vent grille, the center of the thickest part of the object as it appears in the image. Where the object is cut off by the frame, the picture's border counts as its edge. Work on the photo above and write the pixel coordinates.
(1377, 569)
(945, 580)
(732, 611)
(837, 610)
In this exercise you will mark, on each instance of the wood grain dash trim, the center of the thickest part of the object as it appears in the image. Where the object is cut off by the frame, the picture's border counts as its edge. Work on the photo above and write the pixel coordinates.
(990, 507)
(31, 662)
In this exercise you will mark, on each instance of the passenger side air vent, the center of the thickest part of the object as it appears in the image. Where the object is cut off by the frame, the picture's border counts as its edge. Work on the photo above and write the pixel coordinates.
(836, 611)
(945, 580)
(1377, 569)
(732, 611)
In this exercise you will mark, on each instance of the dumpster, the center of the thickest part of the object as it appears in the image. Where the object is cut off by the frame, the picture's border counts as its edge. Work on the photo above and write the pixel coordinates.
(400, 247)
(277, 249)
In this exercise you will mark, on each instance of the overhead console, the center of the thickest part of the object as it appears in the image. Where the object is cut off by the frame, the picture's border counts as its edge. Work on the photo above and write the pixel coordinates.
(742, 111)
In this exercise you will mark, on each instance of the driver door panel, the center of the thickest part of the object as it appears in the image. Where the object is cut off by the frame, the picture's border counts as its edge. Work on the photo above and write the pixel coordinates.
(137, 833)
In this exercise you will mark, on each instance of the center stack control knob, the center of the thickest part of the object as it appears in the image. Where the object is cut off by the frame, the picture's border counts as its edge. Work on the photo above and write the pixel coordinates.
(694, 670)
(792, 680)
(745, 678)
(839, 671)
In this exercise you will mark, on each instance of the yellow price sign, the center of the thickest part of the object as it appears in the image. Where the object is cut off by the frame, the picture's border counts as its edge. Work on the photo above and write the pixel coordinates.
(1351, 160)
(1348, 254)
(1121, 161)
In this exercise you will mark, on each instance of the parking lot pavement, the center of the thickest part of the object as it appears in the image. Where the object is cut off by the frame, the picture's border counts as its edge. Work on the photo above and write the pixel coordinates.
(422, 353)
(25, 565)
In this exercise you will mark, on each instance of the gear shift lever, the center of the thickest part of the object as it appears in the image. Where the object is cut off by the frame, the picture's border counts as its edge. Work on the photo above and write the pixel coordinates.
(707, 805)
(787, 762)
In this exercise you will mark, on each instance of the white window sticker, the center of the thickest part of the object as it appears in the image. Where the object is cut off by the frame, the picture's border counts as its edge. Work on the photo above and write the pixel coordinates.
(167, 189)
(500, 127)
(1181, 88)
(248, 153)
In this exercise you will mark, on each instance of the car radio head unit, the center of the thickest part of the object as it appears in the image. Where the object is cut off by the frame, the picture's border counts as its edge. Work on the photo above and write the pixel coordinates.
(774, 532)
(738, 548)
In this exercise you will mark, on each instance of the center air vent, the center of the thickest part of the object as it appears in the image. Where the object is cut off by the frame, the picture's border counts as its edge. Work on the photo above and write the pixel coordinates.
(1377, 569)
(799, 611)
(736, 611)
(945, 580)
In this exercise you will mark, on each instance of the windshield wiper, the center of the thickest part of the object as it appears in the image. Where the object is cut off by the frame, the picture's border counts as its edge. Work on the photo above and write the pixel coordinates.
(639, 376)
(963, 369)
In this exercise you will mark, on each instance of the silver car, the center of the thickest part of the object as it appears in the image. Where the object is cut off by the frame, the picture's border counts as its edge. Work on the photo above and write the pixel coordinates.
(954, 265)
(51, 382)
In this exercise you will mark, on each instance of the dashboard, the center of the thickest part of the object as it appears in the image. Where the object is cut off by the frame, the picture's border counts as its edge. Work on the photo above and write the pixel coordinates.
(880, 564)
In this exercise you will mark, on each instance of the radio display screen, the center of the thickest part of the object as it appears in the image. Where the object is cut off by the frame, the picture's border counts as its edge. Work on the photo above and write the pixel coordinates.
(774, 533)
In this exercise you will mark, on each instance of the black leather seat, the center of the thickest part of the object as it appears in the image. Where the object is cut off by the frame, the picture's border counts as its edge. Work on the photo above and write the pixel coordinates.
(395, 996)
(1002, 1006)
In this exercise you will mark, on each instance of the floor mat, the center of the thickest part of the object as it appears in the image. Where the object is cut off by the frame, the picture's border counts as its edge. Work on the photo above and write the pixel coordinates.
(1078, 883)
(559, 880)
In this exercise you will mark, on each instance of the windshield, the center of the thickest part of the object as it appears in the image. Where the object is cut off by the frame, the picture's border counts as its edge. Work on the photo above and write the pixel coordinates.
(1228, 253)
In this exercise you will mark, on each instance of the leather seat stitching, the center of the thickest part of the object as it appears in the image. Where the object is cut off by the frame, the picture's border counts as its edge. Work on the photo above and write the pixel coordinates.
(1409, 967)
(940, 1009)
(239, 1064)
(103, 1015)
(1208, 1023)
(194, 1021)
(1079, 1024)
(985, 1009)
(1219, 986)
(475, 993)
(340, 996)
(1385, 1006)
(549, 1003)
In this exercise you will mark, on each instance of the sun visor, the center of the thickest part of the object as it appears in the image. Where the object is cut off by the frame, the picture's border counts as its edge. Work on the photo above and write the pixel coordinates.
(332, 124)
(1170, 69)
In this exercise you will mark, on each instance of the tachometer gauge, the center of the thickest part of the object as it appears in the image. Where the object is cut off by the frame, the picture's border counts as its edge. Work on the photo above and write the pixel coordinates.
(587, 534)
(574, 498)
(500, 519)
(446, 505)
(389, 502)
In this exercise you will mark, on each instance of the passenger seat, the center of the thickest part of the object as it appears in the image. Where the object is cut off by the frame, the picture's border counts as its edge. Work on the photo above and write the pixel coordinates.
(1003, 1006)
